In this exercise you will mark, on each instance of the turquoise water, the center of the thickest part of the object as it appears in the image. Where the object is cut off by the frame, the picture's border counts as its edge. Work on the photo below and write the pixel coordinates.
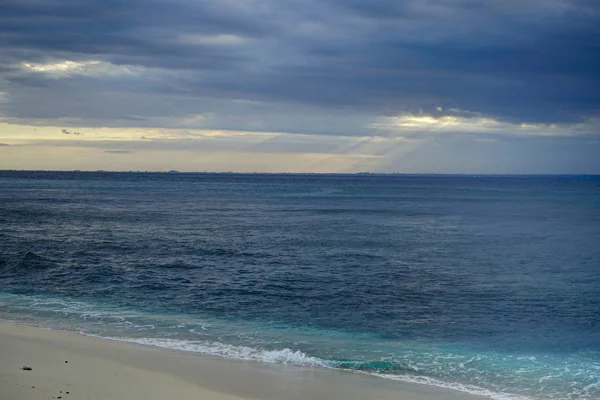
(485, 284)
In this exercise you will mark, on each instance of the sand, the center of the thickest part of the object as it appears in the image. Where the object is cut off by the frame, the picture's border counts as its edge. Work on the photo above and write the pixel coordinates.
(76, 367)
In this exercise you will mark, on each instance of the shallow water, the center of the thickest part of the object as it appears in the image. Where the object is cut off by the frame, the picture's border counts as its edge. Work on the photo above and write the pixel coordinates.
(486, 284)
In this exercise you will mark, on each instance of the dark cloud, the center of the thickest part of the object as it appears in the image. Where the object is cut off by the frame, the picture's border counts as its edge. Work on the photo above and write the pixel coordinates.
(520, 61)
(68, 132)
(4, 144)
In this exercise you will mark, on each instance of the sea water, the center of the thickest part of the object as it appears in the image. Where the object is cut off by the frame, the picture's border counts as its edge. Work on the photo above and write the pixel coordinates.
(485, 284)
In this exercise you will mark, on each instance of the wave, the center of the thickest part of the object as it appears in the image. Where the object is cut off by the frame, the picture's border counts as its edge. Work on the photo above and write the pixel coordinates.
(471, 389)
(283, 356)
(288, 356)
(483, 373)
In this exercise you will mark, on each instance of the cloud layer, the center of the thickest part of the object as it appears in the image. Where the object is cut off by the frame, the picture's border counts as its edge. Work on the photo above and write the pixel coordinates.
(342, 68)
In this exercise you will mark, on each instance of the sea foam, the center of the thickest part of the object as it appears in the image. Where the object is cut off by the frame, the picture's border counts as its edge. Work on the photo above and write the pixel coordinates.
(298, 358)
(283, 356)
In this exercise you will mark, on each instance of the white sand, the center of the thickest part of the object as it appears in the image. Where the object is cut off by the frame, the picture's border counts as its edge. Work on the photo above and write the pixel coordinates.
(104, 369)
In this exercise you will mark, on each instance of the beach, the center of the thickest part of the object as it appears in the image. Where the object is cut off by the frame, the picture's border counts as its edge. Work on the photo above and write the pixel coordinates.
(76, 367)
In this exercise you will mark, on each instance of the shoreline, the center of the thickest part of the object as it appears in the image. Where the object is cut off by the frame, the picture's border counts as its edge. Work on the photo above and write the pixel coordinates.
(99, 368)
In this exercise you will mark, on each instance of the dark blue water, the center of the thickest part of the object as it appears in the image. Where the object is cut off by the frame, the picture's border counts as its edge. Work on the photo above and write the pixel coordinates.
(486, 284)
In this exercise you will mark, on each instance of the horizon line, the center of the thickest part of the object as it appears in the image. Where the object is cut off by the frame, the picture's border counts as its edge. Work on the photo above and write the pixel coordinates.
(174, 172)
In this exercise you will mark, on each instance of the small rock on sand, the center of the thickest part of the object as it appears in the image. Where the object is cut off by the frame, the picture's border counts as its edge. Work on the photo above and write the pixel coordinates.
(26, 368)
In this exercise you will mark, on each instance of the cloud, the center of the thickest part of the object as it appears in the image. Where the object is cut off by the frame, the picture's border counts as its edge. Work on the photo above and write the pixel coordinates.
(67, 68)
(118, 151)
(345, 68)
(474, 123)
(532, 61)
(4, 144)
(68, 132)
(217, 40)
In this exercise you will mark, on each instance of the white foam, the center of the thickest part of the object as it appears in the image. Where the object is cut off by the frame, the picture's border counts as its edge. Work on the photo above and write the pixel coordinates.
(471, 389)
(283, 356)
(298, 358)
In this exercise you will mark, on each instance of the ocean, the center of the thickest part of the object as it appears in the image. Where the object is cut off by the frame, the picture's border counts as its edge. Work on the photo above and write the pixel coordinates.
(486, 284)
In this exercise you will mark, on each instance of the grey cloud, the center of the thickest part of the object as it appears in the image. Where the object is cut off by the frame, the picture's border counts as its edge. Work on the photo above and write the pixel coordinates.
(521, 61)
(118, 151)
(68, 132)
(135, 32)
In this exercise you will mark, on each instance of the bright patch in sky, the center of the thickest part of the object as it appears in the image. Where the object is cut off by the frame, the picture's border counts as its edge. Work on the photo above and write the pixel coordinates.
(64, 68)
(452, 123)
(221, 39)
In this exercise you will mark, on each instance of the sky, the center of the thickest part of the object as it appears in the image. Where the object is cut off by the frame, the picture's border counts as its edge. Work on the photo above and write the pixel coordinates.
(415, 86)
